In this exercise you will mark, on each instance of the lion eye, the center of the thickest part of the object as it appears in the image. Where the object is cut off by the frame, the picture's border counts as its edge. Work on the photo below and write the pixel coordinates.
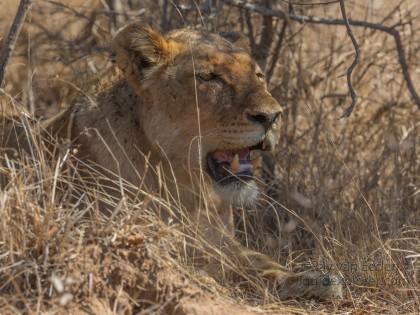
(208, 76)
(260, 76)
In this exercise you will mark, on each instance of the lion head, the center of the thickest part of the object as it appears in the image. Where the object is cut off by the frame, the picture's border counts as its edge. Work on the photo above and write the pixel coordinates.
(205, 102)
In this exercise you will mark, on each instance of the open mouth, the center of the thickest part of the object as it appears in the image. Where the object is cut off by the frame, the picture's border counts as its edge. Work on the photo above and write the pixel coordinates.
(227, 166)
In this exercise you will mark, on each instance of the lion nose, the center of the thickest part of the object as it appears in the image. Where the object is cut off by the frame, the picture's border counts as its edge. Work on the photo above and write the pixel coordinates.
(265, 119)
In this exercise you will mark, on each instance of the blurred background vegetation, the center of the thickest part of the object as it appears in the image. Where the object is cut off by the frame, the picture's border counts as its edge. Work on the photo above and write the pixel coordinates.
(339, 192)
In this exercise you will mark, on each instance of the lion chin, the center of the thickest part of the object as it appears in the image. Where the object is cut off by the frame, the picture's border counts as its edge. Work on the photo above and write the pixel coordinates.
(238, 193)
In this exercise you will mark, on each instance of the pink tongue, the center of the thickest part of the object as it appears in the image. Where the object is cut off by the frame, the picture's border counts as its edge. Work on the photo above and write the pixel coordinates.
(227, 156)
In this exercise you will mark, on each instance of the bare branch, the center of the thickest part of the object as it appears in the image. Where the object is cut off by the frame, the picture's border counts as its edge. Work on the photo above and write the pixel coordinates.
(250, 31)
(262, 50)
(164, 19)
(10, 40)
(276, 51)
(353, 94)
(340, 22)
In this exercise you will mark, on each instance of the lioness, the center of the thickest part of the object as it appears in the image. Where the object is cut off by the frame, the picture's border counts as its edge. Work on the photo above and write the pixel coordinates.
(196, 104)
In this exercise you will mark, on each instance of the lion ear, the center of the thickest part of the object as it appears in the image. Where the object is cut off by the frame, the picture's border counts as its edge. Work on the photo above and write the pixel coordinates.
(138, 49)
(237, 39)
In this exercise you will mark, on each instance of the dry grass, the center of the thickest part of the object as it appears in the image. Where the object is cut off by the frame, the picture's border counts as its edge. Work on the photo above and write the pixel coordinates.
(345, 194)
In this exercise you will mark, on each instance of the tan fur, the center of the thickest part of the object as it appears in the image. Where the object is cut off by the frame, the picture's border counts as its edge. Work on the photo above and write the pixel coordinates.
(165, 110)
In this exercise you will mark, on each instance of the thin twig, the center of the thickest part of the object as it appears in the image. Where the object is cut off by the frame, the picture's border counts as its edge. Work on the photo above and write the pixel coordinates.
(352, 91)
(276, 52)
(266, 38)
(339, 22)
(164, 19)
(251, 37)
(10, 40)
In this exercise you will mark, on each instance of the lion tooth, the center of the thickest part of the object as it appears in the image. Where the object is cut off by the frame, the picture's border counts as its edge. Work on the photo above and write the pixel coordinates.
(257, 162)
(234, 165)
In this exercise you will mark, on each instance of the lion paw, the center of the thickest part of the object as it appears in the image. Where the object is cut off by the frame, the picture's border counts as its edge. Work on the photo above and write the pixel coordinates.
(308, 284)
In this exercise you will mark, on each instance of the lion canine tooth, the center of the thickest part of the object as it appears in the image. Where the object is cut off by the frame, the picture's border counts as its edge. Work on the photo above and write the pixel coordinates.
(257, 162)
(234, 165)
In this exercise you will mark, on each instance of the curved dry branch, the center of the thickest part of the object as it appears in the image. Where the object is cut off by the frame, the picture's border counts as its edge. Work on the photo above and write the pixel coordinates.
(340, 22)
(352, 91)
